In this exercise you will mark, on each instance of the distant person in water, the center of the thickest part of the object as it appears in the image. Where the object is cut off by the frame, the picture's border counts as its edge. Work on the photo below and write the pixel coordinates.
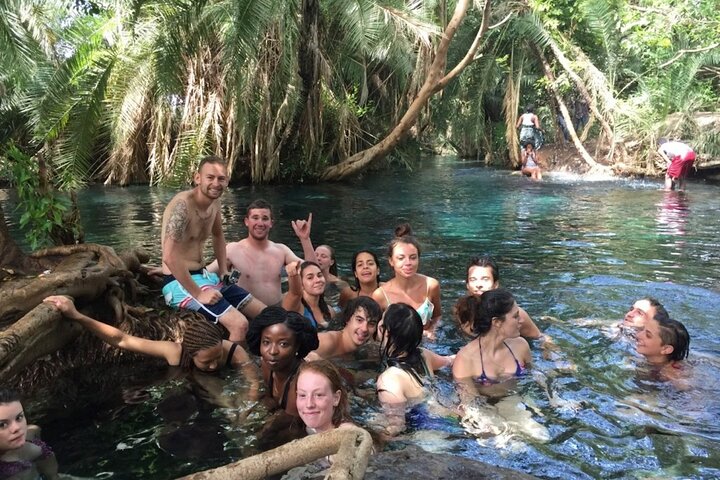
(529, 125)
(680, 158)
(22, 454)
(261, 261)
(664, 343)
(483, 274)
(188, 220)
(360, 318)
(408, 286)
(531, 162)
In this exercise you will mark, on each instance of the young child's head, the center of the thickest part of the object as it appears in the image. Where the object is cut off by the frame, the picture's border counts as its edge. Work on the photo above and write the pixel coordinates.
(13, 425)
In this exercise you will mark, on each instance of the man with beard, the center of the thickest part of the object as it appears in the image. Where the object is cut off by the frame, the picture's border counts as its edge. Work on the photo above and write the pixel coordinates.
(189, 219)
(259, 260)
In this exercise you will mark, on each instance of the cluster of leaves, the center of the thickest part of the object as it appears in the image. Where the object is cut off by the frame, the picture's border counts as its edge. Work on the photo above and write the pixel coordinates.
(42, 210)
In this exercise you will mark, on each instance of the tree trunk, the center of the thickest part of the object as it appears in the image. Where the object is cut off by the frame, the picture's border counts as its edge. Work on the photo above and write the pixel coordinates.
(303, 134)
(566, 115)
(434, 82)
(511, 102)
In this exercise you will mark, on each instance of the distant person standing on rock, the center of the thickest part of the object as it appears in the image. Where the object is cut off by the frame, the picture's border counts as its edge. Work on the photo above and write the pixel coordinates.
(529, 125)
(680, 158)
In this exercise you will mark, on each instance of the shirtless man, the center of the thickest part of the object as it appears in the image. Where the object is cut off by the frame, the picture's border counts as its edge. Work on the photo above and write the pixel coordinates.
(483, 275)
(189, 219)
(258, 259)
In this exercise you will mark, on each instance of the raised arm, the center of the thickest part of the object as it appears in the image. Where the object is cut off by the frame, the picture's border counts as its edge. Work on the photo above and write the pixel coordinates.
(302, 229)
(170, 351)
(292, 301)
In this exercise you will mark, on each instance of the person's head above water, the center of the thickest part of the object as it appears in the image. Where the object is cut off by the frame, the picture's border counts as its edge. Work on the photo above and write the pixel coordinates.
(202, 346)
(322, 400)
(366, 268)
(643, 309)
(482, 275)
(401, 332)
(404, 251)
(279, 337)
(663, 340)
(483, 311)
(13, 425)
(360, 317)
(325, 255)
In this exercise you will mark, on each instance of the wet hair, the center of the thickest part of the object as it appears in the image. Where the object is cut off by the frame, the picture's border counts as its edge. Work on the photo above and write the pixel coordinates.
(333, 268)
(529, 108)
(403, 234)
(479, 310)
(212, 159)
(324, 308)
(305, 334)
(355, 256)
(8, 395)
(661, 314)
(371, 307)
(402, 332)
(199, 335)
(259, 204)
(483, 261)
(328, 370)
(675, 334)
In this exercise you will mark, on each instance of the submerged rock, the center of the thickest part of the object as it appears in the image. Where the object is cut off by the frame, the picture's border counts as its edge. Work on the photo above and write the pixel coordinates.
(413, 462)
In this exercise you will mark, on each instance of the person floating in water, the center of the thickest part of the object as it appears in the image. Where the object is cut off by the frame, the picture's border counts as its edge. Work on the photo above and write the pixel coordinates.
(663, 342)
(530, 131)
(680, 158)
(531, 162)
(22, 454)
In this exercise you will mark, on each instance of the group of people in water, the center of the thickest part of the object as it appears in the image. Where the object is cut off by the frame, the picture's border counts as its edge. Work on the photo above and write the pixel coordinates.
(296, 336)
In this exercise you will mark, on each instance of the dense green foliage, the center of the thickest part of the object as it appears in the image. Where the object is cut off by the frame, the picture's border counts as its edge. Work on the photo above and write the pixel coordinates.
(136, 91)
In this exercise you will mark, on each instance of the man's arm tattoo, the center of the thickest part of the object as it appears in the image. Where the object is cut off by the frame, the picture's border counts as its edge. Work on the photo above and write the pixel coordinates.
(178, 222)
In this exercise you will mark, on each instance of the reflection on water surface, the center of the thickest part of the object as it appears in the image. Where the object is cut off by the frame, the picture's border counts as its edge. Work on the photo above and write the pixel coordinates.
(575, 254)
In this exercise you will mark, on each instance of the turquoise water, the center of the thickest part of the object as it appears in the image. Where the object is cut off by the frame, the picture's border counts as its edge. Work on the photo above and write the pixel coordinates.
(576, 254)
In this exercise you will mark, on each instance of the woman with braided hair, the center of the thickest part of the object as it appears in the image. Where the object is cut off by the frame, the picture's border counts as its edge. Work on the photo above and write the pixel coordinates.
(202, 345)
(282, 339)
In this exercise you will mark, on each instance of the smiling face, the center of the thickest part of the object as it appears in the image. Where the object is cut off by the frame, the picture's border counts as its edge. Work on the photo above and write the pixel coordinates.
(324, 257)
(650, 344)
(480, 279)
(208, 359)
(316, 401)
(359, 328)
(212, 180)
(638, 315)
(13, 426)
(259, 222)
(366, 270)
(278, 347)
(405, 260)
(313, 280)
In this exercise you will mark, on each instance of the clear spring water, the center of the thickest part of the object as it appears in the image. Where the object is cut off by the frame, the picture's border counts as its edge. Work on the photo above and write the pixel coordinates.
(576, 254)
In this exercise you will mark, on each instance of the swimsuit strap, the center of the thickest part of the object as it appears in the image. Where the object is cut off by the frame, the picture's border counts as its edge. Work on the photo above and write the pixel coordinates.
(483, 377)
(231, 352)
(286, 390)
(518, 369)
(387, 300)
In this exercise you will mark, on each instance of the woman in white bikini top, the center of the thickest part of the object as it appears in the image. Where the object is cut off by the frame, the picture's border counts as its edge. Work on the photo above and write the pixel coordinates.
(408, 286)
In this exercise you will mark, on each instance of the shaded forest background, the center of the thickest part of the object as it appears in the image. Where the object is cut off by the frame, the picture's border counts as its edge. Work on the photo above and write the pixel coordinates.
(138, 91)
